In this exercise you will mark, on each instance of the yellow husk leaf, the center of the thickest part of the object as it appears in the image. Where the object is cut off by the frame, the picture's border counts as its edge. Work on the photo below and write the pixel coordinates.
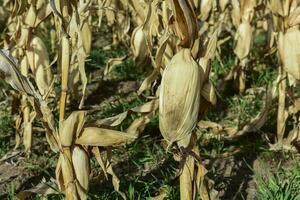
(58, 174)
(223, 4)
(86, 36)
(71, 127)
(247, 9)
(110, 14)
(280, 7)
(31, 16)
(235, 13)
(206, 6)
(294, 18)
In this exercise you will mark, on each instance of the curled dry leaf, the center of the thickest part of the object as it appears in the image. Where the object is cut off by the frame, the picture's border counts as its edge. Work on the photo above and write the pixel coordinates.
(208, 92)
(93, 136)
(42, 13)
(148, 107)
(11, 74)
(44, 188)
(111, 63)
(185, 21)
(138, 126)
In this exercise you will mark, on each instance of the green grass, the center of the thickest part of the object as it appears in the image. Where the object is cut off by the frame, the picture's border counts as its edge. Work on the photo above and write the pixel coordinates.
(124, 71)
(128, 71)
(142, 171)
(283, 183)
(112, 109)
(12, 191)
(99, 57)
(7, 132)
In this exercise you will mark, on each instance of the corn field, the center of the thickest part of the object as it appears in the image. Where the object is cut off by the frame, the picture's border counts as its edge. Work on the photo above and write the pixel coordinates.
(149, 99)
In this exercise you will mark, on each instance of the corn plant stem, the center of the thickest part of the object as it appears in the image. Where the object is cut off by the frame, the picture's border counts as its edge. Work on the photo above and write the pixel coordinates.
(68, 175)
(18, 135)
(27, 137)
(62, 106)
(65, 65)
(27, 130)
(186, 179)
(281, 105)
(242, 76)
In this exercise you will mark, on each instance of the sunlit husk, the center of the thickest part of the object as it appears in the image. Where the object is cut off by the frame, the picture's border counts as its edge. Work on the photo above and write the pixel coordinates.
(81, 164)
(71, 127)
(31, 16)
(179, 97)
(244, 39)
(289, 50)
(206, 6)
(39, 63)
(139, 46)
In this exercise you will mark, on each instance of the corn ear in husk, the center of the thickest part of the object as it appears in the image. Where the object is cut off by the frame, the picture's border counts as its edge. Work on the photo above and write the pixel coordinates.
(139, 47)
(179, 97)
(81, 164)
(39, 63)
(289, 51)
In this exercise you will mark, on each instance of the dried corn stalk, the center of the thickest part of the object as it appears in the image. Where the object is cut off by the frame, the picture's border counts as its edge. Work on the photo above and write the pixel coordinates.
(242, 15)
(286, 21)
(25, 21)
(185, 93)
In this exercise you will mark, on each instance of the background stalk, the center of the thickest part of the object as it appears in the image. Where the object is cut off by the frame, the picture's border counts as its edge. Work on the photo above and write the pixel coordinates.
(65, 65)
